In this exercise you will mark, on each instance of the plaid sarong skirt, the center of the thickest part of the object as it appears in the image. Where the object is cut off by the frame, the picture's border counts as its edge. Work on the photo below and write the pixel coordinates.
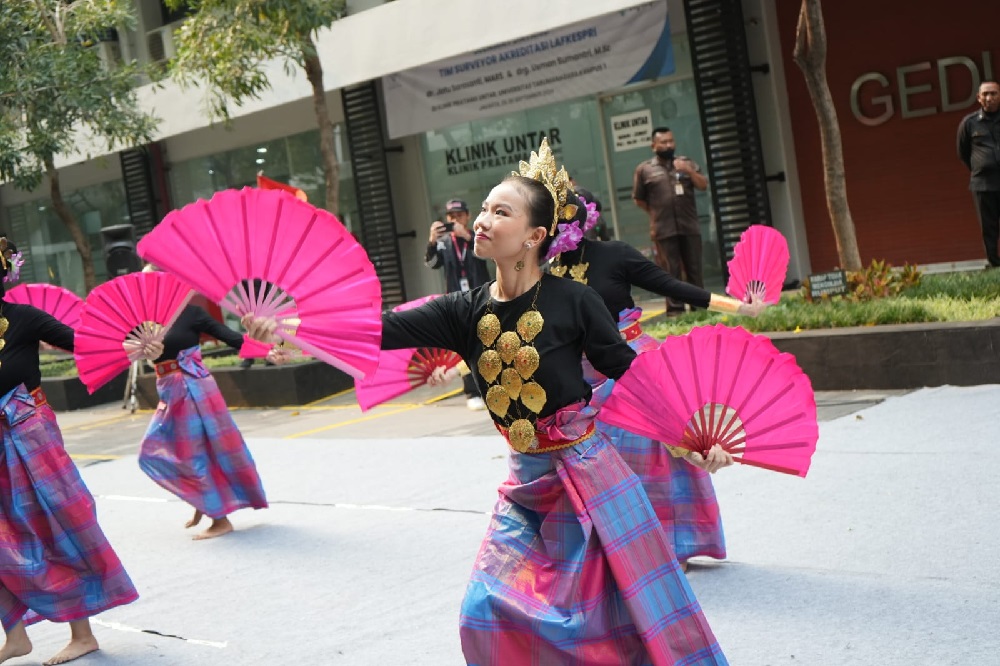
(576, 569)
(193, 448)
(682, 495)
(54, 558)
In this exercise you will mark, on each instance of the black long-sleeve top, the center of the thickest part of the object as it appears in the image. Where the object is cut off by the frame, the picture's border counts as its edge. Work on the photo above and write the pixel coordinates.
(979, 150)
(576, 322)
(615, 267)
(186, 332)
(19, 357)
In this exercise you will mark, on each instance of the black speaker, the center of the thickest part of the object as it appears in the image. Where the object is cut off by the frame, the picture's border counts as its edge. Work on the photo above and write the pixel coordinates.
(119, 250)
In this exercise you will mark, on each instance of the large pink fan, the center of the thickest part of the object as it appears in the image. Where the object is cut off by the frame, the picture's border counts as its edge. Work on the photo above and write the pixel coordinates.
(59, 302)
(129, 311)
(402, 370)
(267, 253)
(759, 265)
(720, 385)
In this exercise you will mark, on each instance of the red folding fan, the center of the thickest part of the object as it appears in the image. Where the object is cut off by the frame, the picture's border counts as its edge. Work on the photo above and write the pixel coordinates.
(402, 370)
(267, 253)
(129, 311)
(59, 302)
(759, 265)
(720, 385)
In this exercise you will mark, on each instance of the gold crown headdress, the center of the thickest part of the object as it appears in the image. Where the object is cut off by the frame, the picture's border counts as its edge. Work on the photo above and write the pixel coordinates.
(542, 167)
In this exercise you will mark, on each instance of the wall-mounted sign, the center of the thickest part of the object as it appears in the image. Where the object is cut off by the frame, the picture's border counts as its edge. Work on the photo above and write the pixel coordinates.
(833, 283)
(874, 96)
(582, 58)
(632, 130)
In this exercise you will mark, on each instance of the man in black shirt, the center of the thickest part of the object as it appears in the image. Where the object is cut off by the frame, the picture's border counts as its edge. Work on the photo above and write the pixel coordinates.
(979, 150)
(450, 247)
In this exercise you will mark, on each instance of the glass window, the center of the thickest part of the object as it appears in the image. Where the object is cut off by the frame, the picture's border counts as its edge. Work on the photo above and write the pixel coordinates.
(465, 161)
(295, 160)
(51, 253)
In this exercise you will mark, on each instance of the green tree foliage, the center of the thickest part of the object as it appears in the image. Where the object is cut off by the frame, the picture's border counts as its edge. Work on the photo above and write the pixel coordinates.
(224, 45)
(55, 89)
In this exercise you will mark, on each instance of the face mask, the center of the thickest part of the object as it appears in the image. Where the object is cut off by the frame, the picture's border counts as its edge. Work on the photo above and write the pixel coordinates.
(665, 154)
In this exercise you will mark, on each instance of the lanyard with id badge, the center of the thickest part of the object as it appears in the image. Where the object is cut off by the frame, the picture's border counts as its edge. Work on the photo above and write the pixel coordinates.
(463, 280)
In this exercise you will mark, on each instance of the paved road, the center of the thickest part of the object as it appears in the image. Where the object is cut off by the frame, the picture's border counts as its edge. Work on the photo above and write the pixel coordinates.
(884, 555)
(108, 432)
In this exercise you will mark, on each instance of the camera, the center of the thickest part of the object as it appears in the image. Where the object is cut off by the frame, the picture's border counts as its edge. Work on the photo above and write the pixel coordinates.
(449, 226)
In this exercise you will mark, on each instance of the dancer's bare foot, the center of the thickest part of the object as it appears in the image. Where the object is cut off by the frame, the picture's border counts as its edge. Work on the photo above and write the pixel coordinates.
(81, 642)
(17, 644)
(194, 520)
(218, 527)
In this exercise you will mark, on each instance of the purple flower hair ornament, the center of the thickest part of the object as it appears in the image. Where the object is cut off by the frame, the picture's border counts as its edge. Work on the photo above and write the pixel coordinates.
(592, 215)
(566, 240)
(14, 268)
(570, 234)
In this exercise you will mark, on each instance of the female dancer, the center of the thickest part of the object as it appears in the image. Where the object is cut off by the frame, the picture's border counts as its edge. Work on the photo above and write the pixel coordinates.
(682, 494)
(575, 567)
(54, 559)
(192, 447)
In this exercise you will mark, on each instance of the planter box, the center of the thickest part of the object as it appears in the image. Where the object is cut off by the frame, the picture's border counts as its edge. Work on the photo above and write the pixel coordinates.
(69, 393)
(901, 356)
(264, 386)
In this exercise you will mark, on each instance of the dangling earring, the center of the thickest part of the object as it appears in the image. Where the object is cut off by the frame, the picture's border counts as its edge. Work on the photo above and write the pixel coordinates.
(520, 262)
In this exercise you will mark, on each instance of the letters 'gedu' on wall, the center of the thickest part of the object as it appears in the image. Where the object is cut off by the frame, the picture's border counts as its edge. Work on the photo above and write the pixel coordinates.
(953, 81)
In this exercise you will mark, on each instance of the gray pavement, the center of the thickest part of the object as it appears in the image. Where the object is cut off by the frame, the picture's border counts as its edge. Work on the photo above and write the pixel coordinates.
(882, 556)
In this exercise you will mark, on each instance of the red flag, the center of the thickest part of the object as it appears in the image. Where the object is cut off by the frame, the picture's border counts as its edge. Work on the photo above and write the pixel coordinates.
(268, 184)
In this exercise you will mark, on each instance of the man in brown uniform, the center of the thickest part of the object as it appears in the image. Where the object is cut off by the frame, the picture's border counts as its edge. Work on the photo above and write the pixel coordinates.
(664, 188)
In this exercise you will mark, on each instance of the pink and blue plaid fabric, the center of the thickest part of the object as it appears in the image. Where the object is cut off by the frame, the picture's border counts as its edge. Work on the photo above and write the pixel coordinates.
(576, 569)
(54, 558)
(682, 495)
(193, 448)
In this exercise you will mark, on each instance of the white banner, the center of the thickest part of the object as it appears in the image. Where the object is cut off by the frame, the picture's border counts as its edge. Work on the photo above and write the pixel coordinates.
(584, 58)
(632, 130)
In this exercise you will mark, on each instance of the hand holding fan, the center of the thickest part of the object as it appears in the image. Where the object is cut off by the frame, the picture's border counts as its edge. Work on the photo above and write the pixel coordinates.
(759, 265)
(123, 317)
(59, 302)
(265, 253)
(402, 370)
(720, 385)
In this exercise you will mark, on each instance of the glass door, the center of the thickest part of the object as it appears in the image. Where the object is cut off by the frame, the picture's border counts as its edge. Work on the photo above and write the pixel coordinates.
(674, 105)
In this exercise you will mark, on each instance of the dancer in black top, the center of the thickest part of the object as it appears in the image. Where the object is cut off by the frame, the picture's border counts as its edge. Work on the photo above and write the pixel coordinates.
(192, 447)
(55, 562)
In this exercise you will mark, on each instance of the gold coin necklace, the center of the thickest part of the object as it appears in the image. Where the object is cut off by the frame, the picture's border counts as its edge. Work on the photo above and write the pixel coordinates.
(578, 271)
(507, 364)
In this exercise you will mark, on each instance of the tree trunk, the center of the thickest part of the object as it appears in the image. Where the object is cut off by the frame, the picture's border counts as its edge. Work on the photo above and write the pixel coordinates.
(810, 56)
(327, 143)
(67, 217)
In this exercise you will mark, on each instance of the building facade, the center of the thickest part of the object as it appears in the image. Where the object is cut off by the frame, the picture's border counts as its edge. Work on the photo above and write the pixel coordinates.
(439, 99)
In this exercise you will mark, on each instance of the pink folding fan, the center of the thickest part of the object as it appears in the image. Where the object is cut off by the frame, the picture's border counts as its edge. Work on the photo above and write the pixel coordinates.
(127, 312)
(759, 265)
(59, 302)
(402, 370)
(267, 253)
(720, 385)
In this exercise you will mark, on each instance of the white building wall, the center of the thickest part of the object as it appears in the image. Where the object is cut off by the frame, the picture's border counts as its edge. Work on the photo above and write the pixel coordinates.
(775, 123)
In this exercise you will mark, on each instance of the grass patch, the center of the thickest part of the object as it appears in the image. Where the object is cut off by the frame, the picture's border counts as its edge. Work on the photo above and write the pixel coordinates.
(947, 297)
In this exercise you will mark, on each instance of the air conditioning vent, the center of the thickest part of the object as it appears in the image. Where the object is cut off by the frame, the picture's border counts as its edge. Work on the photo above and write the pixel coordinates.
(160, 43)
